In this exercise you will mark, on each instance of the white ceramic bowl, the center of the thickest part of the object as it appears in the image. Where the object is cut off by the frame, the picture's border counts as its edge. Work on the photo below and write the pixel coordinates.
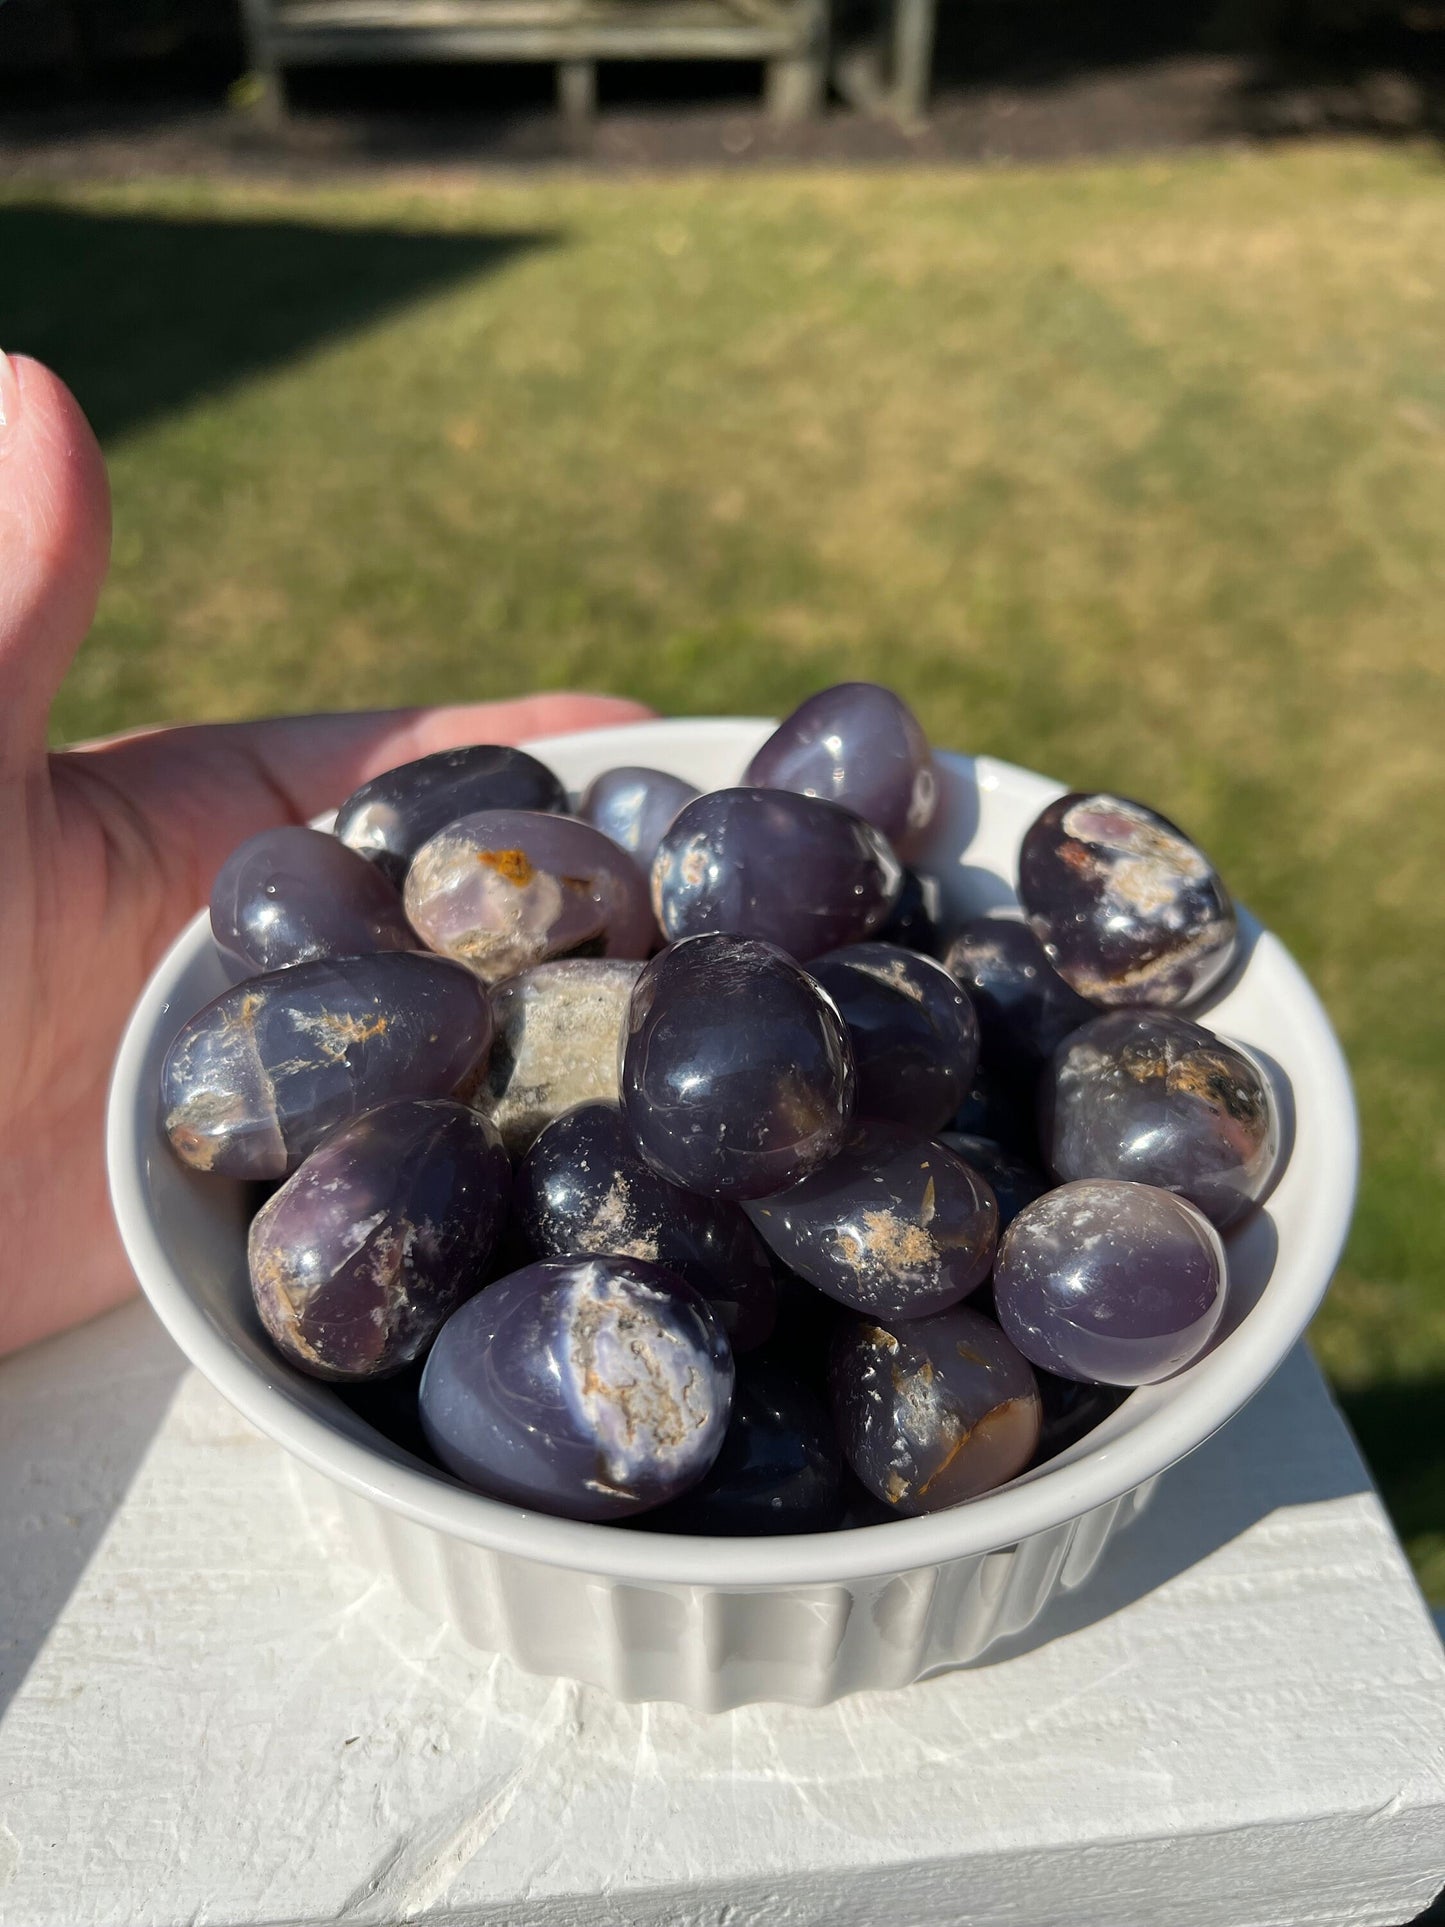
(718, 1623)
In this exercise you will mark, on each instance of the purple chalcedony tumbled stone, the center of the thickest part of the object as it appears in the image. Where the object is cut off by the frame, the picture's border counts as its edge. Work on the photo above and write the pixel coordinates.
(292, 894)
(363, 1253)
(592, 1389)
(558, 1043)
(917, 919)
(932, 1411)
(1001, 1104)
(504, 889)
(737, 1073)
(584, 1186)
(1013, 1181)
(1153, 1097)
(388, 819)
(1118, 1283)
(791, 870)
(635, 807)
(779, 1469)
(894, 1225)
(1130, 910)
(914, 1034)
(1025, 1009)
(255, 1080)
(1071, 1411)
(859, 745)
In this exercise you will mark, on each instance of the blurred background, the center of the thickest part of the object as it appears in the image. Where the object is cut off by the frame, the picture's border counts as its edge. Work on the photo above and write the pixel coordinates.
(1076, 369)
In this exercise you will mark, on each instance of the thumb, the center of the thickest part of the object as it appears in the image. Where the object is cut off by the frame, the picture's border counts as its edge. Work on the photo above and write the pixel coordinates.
(54, 547)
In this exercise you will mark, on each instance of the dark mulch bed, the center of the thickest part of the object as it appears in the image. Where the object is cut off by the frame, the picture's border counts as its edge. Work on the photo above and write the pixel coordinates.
(657, 119)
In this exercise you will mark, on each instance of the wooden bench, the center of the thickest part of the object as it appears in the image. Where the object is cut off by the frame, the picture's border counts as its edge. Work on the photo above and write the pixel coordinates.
(208, 1712)
(789, 36)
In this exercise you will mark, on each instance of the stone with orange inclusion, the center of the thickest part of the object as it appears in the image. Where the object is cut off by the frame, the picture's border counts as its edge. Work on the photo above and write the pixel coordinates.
(932, 1411)
(502, 890)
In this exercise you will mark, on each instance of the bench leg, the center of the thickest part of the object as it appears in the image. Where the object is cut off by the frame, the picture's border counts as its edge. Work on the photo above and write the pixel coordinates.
(271, 101)
(795, 87)
(271, 98)
(913, 28)
(577, 91)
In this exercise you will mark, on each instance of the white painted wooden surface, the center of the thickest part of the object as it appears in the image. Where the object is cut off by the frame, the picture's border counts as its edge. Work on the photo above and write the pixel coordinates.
(208, 1717)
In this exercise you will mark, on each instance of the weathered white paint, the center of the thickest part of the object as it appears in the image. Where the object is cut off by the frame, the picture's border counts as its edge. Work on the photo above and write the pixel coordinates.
(209, 1716)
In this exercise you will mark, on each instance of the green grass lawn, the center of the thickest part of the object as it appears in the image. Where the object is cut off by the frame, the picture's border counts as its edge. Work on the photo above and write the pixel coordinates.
(1133, 473)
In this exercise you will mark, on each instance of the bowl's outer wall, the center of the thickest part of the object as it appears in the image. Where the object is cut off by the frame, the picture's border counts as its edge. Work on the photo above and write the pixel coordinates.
(715, 1623)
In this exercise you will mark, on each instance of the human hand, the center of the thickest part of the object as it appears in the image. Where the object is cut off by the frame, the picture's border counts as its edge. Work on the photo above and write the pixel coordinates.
(109, 848)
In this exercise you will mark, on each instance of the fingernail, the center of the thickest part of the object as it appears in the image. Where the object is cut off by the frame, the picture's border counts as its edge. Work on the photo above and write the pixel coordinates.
(9, 392)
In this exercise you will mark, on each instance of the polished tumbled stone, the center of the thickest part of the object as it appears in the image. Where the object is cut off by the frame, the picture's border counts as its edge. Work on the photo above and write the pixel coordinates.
(917, 919)
(860, 745)
(1025, 1008)
(1116, 1283)
(779, 1470)
(388, 819)
(635, 807)
(255, 1080)
(360, 1257)
(914, 1032)
(932, 1411)
(592, 1389)
(1013, 1180)
(1130, 910)
(558, 1043)
(894, 1225)
(291, 894)
(737, 1075)
(790, 870)
(505, 889)
(1153, 1097)
(584, 1186)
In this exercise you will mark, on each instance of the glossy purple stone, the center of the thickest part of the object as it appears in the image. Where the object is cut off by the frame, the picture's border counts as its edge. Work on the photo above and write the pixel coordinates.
(779, 1469)
(391, 1407)
(932, 1411)
(1118, 1283)
(859, 745)
(1071, 1410)
(635, 807)
(1001, 1104)
(914, 1034)
(505, 889)
(361, 1256)
(790, 870)
(895, 1225)
(1013, 1181)
(585, 1187)
(255, 1080)
(1025, 1009)
(389, 818)
(737, 1073)
(917, 919)
(1153, 1097)
(1130, 910)
(291, 894)
(591, 1389)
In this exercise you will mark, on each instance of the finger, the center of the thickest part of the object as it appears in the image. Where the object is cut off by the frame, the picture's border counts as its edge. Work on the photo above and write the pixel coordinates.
(185, 797)
(54, 546)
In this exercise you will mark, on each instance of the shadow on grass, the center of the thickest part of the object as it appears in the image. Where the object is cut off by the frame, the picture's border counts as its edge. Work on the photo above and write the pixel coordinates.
(143, 315)
(1401, 1429)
